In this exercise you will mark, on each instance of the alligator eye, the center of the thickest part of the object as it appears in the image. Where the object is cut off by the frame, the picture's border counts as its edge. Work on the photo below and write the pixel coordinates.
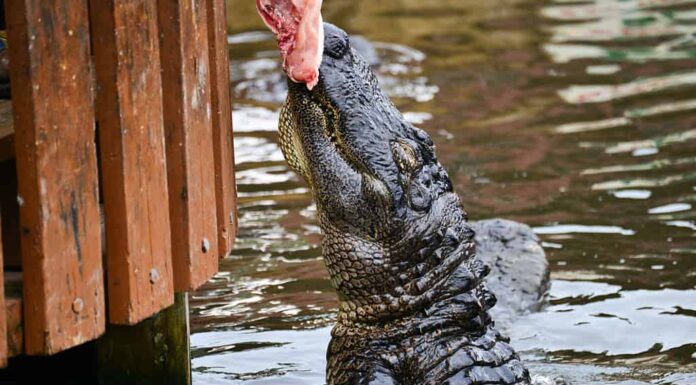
(405, 156)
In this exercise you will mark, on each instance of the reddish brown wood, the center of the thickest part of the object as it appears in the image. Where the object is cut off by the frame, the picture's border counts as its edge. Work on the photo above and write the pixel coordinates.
(225, 187)
(13, 311)
(53, 109)
(189, 140)
(3, 315)
(133, 160)
(15, 335)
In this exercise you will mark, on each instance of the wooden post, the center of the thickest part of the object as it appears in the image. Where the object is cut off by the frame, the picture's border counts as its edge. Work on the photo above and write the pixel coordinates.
(133, 159)
(155, 351)
(225, 188)
(15, 331)
(189, 140)
(52, 98)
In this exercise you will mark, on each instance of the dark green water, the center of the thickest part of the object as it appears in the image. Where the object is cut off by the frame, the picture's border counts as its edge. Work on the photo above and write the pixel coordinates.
(578, 118)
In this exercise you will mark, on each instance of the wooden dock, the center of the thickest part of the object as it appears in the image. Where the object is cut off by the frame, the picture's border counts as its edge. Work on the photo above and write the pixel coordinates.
(116, 165)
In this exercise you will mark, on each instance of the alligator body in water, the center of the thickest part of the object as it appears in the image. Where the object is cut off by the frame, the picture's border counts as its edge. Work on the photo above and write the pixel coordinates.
(401, 254)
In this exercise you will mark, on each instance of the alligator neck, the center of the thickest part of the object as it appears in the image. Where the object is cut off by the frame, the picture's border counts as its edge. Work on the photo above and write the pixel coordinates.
(440, 283)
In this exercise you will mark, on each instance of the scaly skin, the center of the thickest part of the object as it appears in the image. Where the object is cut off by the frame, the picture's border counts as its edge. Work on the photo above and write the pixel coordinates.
(397, 244)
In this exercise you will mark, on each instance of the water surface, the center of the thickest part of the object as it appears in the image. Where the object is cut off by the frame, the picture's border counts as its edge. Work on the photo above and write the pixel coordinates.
(577, 118)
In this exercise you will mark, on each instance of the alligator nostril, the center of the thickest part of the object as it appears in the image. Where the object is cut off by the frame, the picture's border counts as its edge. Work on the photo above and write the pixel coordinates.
(336, 44)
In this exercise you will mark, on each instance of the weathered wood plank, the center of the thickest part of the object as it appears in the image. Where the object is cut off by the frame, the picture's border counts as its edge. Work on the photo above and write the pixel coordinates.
(3, 314)
(13, 313)
(133, 160)
(225, 187)
(15, 332)
(52, 100)
(189, 140)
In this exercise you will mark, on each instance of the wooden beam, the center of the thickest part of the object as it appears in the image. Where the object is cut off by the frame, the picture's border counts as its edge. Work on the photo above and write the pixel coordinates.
(13, 313)
(225, 186)
(15, 331)
(52, 100)
(133, 160)
(189, 140)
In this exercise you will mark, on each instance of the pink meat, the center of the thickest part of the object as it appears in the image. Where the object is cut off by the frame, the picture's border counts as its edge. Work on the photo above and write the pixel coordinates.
(300, 33)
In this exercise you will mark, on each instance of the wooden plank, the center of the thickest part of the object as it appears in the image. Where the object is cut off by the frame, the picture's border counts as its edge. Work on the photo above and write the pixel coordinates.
(189, 140)
(52, 101)
(3, 315)
(15, 332)
(133, 160)
(223, 151)
(13, 311)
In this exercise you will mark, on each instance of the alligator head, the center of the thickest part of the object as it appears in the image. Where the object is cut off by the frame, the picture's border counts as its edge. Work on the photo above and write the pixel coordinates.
(396, 242)
(385, 204)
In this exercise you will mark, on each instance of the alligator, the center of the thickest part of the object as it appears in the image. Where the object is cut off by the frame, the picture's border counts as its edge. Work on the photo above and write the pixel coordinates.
(413, 305)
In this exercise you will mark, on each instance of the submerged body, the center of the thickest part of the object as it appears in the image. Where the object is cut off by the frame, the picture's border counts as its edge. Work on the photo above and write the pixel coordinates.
(413, 305)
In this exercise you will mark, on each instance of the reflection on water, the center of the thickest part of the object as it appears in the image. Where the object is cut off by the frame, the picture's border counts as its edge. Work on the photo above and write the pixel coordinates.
(576, 117)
